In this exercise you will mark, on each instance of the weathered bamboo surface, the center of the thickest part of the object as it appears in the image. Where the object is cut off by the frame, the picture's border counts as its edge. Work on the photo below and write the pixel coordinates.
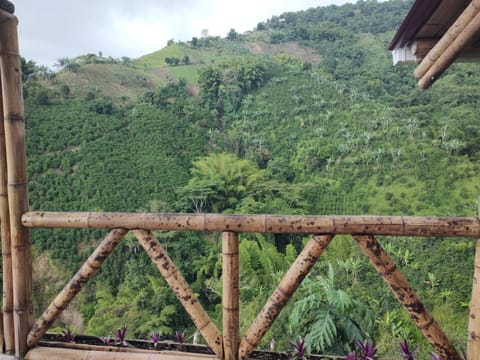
(86, 271)
(117, 349)
(2, 338)
(449, 55)
(43, 353)
(14, 123)
(286, 224)
(182, 290)
(473, 346)
(452, 33)
(284, 291)
(7, 306)
(230, 298)
(407, 297)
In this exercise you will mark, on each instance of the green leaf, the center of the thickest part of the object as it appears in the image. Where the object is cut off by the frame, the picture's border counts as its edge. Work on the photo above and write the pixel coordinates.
(323, 332)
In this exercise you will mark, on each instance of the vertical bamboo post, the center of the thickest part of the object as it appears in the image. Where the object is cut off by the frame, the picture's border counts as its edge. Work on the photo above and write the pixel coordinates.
(85, 273)
(182, 290)
(2, 337)
(284, 291)
(230, 298)
(407, 297)
(7, 308)
(11, 76)
(473, 346)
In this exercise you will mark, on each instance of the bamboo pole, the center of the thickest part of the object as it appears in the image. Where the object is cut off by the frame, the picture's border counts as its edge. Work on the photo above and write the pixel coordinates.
(280, 224)
(42, 353)
(117, 349)
(7, 307)
(230, 299)
(448, 56)
(284, 291)
(2, 337)
(182, 290)
(473, 346)
(407, 297)
(17, 181)
(85, 273)
(447, 39)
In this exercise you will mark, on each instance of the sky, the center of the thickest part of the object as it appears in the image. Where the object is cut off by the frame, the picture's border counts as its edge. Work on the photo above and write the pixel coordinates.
(54, 29)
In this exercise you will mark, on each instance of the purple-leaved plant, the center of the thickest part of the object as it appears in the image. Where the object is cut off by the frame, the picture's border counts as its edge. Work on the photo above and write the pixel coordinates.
(436, 357)
(68, 335)
(299, 349)
(108, 341)
(180, 336)
(367, 351)
(121, 333)
(155, 337)
(405, 351)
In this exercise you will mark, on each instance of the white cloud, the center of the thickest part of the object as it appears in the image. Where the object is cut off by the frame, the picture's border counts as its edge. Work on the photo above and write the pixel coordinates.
(51, 29)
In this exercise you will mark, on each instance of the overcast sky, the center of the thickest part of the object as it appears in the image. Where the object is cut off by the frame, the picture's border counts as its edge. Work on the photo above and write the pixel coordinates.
(52, 29)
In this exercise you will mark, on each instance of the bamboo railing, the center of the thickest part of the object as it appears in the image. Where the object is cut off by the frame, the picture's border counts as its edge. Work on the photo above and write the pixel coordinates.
(20, 334)
(362, 228)
(425, 226)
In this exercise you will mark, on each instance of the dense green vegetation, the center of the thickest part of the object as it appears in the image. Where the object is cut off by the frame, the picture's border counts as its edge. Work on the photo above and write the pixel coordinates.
(325, 126)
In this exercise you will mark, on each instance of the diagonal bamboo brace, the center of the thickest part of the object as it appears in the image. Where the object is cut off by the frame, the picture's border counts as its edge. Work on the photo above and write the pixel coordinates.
(182, 290)
(284, 291)
(407, 297)
(88, 269)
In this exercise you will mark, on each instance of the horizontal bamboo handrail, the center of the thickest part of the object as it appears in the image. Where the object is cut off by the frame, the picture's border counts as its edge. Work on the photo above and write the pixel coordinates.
(119, 349)
(42, 353)
(425, 226)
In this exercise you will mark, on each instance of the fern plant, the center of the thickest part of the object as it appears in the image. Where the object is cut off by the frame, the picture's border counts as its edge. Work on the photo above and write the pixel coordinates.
(328, 316)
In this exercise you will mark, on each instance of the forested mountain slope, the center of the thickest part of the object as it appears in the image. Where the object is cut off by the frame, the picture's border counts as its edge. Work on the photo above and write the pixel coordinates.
(303, 115)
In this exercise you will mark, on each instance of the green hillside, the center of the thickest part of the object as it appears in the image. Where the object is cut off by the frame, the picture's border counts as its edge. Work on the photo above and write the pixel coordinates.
(303, 115)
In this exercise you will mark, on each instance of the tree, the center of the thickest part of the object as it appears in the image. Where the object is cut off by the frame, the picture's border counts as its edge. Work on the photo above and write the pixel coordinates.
(219, 182)
(29, 68)
(232, 35)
